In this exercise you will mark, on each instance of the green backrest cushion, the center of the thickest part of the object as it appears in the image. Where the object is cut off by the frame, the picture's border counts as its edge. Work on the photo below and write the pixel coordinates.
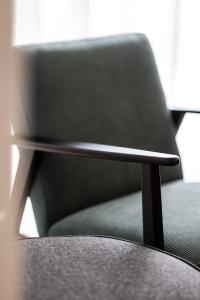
(104, 90)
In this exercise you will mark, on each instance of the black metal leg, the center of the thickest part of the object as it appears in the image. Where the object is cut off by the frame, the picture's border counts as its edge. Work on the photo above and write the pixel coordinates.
(152, 206)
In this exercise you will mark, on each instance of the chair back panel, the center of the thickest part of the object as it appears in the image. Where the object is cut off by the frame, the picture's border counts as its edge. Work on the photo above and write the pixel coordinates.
(105, 90)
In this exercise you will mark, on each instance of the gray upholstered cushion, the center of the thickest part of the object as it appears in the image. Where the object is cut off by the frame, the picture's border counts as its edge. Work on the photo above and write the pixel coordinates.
(123, 218)
(105, 90)
(101, 268)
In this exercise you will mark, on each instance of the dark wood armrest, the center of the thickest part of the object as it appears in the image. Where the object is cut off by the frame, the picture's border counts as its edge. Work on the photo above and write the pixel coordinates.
(98, 151)
(183, 109)
(178, 114)
(150, 179)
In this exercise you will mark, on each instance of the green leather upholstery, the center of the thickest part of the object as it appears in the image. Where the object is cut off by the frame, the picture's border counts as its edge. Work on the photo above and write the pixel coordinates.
(105, 90)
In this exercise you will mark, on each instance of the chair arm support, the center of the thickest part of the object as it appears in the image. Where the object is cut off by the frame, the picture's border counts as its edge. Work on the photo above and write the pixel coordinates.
(178, 114)
(184, 109)
(150, 179)
(98, 151)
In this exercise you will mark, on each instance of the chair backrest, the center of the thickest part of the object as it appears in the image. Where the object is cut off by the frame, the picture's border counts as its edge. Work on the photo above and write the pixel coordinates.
(103, 90)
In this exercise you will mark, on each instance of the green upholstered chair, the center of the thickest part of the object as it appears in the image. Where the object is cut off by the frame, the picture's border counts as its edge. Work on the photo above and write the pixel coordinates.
(89, 94)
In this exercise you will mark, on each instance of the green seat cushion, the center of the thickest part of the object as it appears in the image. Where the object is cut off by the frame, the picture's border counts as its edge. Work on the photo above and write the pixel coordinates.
(122, 217)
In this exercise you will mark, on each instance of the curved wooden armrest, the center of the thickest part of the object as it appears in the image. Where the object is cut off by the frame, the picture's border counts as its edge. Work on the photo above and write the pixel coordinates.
(150, 179)
(184, 109)
(178, 114)
(99, 151)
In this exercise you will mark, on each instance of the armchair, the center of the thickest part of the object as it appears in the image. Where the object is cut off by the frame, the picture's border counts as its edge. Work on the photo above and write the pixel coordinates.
(95, 112)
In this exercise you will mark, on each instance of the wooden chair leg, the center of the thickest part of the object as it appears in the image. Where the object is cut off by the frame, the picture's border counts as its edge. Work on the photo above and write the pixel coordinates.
(152, 206)
(23, 181)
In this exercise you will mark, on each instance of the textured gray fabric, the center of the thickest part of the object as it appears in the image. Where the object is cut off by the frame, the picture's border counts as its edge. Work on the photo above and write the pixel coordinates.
(101, 268)
(105, 90)
(123, 218)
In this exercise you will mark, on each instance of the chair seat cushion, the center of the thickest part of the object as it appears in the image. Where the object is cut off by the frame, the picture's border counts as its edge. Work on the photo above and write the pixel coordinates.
(122, 218)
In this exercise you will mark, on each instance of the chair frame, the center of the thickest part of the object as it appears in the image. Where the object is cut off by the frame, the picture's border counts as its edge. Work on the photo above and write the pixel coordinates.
(30, 154)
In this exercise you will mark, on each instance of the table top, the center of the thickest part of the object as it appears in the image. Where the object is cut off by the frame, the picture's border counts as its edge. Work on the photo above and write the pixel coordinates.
(84, 267)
